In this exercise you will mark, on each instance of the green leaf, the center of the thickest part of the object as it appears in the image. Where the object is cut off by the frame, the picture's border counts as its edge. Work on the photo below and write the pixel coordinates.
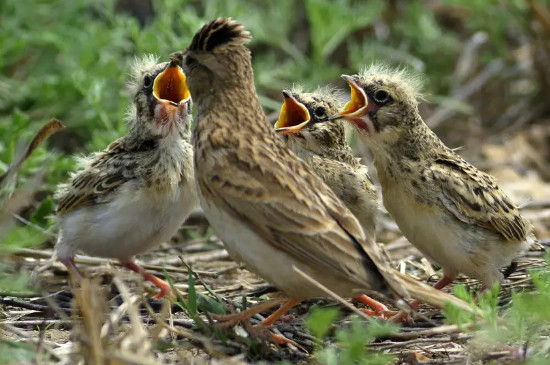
(333, 21)
(209, 304)
(44, 211)
(192, 296)
(14, 352)
(319, 321)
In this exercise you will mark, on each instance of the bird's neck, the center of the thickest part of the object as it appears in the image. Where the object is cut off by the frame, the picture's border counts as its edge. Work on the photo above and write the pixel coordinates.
(342, 154)
(236, 110)
(415, 144)
(170, 153)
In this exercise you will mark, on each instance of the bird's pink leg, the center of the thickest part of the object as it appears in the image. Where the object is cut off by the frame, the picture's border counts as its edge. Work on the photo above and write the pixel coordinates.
(230, 320)
(164, 287)
(274, 317)
(443, 282)
(404, 317)
(380, 309)
(71, 268)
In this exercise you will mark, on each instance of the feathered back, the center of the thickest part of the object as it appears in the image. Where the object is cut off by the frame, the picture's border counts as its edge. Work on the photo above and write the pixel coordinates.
(406, 84)
(219, 32)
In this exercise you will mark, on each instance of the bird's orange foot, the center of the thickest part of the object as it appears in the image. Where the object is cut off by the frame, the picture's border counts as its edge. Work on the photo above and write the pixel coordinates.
(384, 314)
(281, 340)
(165, 288)
(230, 320)
(166, 291)
(400, 317)
(378, 309)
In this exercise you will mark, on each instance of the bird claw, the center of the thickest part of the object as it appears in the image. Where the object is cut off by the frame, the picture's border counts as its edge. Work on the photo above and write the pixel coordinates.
(259, 331)
(384, 314)
(166, 291)
(400, 317)
(229, 320)
(388, 315)
(281, 340)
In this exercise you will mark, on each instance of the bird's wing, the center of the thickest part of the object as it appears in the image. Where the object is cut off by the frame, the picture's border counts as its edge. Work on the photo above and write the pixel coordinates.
(103, 174)
(292, 209)
(474, 197)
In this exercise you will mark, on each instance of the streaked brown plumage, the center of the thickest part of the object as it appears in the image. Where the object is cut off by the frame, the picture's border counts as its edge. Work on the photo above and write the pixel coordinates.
(271, 211)
(324, 148)
(137, 193)
(452, 212)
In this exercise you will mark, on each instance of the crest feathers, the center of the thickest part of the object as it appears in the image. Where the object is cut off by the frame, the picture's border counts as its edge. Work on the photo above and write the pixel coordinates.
(219, 32)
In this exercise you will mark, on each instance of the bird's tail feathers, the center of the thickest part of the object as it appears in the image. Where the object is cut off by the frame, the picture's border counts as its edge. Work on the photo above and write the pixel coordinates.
(407, 287)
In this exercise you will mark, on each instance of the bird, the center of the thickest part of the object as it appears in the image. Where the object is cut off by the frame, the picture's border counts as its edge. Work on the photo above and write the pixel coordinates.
(136, 193)
(272, 212)
(455, 214)
(324, 148)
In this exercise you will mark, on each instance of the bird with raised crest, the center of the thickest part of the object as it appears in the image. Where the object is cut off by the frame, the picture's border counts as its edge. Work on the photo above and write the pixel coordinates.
(452, 212)
(271, 211)
(136, 193)
(324, 148)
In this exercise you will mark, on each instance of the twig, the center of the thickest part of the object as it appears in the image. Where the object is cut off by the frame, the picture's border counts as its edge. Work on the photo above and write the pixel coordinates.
(65, 323)
(33, 225)
(207, 256)
(383, 346)
(443, 113)
(229, 268)
(196, 339)
(445, 329)
(466, 61)
(31, 306)
(332, 294)
(90, 260)
(140, 343)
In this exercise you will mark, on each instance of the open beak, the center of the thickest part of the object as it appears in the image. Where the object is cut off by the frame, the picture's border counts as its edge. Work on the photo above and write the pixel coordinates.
(357, 106)
(294, 115)
(170, 86)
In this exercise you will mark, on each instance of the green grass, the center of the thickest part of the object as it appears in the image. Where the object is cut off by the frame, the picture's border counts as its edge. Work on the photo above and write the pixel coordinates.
(524, 324)
(351, 340)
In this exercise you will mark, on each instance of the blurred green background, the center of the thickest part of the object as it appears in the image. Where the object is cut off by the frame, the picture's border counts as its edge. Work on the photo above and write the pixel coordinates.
(485, 65)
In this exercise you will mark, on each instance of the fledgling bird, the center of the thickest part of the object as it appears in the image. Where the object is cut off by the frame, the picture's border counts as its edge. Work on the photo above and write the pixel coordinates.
(452, 212)
(135, 194)
(324, 148)
(271, 211)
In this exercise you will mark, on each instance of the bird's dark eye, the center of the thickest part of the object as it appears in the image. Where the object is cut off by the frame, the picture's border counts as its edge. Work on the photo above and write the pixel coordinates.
(147, 81)
(381, 96)
(319, 111)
